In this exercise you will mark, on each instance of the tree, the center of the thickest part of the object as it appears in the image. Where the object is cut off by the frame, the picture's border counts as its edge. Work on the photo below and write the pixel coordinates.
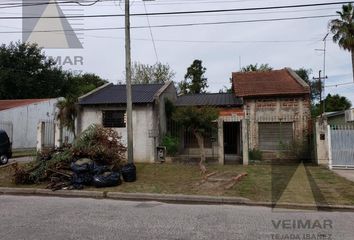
(25, 72)
(194, 79)
(333, 103)
(337, 103)
(198, 121)
(157, 73)
(67, 114)
(255, 68)
(81, 84)
(343, 30)
(315, 85)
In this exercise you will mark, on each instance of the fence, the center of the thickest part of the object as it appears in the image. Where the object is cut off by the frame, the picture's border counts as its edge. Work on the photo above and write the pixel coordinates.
(341, 146)
(8, 128)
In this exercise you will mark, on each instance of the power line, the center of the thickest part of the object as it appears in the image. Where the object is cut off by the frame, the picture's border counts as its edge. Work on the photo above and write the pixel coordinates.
(188, 12)
(180, 25)
(151, 34)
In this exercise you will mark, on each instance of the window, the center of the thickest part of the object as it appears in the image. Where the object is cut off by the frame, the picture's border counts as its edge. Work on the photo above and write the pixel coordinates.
(273, 134)
(113, 119)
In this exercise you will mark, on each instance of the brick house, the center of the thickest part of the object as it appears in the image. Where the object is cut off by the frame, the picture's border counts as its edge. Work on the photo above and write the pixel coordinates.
(277, 108)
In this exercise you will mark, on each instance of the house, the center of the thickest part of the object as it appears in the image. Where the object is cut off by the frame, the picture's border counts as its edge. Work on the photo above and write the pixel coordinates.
(19, 118)
(340, 117)
(106, 105)
(276, 106)
(226, 142)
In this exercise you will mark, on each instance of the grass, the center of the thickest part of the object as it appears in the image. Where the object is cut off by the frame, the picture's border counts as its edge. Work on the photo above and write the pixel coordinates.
(24, 153)
(267, 183)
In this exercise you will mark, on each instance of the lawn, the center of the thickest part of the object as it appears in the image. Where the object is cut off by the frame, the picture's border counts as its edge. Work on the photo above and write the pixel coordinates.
(277, 183)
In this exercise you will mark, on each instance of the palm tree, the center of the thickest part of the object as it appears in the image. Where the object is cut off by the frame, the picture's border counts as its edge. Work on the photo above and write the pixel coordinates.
(343, 30)
(67, 114)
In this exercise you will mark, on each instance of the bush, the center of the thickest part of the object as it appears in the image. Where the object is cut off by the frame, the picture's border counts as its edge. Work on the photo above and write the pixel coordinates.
(299, 149)
(171, 143)
(255, 154)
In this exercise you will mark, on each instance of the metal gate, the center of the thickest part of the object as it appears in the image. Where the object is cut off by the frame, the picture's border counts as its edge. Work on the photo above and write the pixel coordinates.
(48, 136)
(341, 146)
(8, 128)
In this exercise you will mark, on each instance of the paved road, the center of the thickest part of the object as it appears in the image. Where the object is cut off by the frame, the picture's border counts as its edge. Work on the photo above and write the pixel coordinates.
(64, 218)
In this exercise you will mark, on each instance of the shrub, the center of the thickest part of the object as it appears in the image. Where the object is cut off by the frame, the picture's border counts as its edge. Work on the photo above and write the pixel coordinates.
(171, 143)
(299, 149)
(255, 154)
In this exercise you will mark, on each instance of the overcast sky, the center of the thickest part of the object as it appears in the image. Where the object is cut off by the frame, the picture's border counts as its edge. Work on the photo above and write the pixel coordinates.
(221, 47)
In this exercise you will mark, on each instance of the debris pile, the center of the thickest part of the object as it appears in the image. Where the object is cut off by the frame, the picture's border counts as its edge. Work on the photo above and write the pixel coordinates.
(96, 158)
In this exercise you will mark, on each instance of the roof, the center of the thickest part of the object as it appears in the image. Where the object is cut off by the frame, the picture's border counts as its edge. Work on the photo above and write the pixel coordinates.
(7, 104)
(116, 94)
(209, 99)
(334, 114)
(271, 83)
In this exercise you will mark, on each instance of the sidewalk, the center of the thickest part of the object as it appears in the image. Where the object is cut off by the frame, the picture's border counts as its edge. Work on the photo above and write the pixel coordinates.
(346, 173)
(170, 198)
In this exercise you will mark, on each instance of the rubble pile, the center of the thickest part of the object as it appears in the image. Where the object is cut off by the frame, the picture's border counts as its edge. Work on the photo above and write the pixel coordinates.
(97, 157)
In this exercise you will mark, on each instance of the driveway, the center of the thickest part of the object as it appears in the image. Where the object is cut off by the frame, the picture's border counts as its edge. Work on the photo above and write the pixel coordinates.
(346, 173)
(22, 159)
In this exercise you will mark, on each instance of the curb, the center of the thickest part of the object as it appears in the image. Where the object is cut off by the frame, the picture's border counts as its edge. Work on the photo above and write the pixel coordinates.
(170, 198)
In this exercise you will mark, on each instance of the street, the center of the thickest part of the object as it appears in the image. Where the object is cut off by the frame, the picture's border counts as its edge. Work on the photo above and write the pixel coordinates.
(25, 217)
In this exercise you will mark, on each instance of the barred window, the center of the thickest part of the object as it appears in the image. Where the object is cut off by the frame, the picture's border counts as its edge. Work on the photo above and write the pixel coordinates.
(113, 119)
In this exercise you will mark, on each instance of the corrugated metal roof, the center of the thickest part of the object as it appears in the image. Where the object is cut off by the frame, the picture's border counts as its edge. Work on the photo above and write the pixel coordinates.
(276, 82)
(209, 99)
(116, 94)
(7, 104)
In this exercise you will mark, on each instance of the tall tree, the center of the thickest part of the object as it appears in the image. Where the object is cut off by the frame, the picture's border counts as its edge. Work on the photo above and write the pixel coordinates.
(198, 121)
(194, 79)
(343, 30)
(25, 72)
(157, 73)
(256, 68)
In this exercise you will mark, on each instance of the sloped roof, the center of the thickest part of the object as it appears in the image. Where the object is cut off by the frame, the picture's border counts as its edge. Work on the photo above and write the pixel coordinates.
(209, 99)
(7, 104)
(116, 94)
(272, 83)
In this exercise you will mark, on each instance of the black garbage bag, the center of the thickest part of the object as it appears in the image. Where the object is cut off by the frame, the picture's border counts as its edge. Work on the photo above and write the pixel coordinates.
(107, 179)
(129, 172)
(82, 179)
(82, 165)
(99, 169)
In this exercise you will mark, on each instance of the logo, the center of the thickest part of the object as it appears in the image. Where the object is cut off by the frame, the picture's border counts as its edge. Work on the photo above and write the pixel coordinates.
(45, 23)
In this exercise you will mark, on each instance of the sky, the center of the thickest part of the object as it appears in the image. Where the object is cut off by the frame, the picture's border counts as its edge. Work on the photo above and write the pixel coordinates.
(223, 48)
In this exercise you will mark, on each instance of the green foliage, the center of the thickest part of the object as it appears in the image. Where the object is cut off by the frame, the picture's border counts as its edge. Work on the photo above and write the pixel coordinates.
(315, 85)
(194, 79)
(255, 154)
(196, 119)
(343, 28)
(82, 84)
(26, 72)
(169, 108)
(256, 68)
(333, 103)
(157, 73)
(67, 114)
(100, 144)
(171, 143)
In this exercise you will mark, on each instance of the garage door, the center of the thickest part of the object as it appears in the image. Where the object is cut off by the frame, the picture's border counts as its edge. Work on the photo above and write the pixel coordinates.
(272, 134)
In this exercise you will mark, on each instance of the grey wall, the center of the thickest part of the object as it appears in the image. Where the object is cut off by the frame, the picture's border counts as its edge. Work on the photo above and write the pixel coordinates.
(25, 120)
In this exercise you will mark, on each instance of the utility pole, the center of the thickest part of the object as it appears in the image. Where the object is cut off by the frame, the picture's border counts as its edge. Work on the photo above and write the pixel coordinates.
(320, 87)
(324, 73)
(128, 76)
